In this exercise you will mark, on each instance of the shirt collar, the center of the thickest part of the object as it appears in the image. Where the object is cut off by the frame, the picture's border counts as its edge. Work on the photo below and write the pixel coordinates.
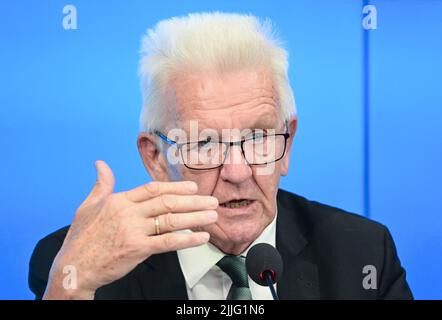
(197, 261)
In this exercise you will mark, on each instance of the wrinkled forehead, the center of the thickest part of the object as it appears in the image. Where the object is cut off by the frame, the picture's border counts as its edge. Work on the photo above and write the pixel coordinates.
(240, 100)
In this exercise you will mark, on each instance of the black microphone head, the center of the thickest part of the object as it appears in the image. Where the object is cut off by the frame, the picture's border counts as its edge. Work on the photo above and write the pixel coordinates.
(263, 257)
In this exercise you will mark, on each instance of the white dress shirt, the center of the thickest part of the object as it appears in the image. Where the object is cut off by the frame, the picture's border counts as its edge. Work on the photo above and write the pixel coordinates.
(206, 281)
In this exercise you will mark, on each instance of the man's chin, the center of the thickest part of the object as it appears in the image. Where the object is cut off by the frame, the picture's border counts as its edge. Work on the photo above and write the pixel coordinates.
(234, 241)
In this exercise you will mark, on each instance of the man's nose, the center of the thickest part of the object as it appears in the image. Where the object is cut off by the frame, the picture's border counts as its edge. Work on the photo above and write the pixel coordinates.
(235, 169)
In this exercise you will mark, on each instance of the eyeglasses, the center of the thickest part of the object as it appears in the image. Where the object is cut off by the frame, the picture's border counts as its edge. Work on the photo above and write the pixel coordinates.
(259, 149)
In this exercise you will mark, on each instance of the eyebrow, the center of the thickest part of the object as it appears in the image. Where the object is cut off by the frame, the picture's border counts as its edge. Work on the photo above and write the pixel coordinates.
(266, 123)
(258, 124)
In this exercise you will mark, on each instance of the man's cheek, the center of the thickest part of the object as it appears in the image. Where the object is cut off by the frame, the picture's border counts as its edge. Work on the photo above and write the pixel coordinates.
(206, 182)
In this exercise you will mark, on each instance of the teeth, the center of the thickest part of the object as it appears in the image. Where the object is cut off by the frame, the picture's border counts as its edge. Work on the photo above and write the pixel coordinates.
(236, 203)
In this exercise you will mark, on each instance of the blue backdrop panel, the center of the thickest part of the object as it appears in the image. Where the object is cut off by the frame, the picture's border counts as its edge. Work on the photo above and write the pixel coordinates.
(406, 135)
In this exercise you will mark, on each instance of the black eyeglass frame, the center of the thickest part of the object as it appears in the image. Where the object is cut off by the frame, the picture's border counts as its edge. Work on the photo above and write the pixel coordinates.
(228, 145)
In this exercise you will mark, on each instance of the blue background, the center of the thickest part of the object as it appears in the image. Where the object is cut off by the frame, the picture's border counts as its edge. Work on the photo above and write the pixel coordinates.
(369, 103)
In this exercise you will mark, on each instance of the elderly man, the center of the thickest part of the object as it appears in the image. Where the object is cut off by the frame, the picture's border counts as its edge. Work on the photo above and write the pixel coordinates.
(218, 122)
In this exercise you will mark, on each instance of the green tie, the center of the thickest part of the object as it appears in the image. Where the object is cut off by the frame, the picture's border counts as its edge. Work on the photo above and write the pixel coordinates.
(236, 270)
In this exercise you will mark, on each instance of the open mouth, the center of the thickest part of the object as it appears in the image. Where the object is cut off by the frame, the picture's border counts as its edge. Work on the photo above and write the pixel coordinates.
(236, 203)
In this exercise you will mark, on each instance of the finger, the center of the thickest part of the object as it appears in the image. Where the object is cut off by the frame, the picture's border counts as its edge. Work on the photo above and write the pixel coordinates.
(173, 241)
(181, 221)
(105, 181)
(174, 203)
(153, 189)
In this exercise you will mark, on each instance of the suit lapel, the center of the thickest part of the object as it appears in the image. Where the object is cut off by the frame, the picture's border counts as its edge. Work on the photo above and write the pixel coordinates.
(300, 274)
(164, 279)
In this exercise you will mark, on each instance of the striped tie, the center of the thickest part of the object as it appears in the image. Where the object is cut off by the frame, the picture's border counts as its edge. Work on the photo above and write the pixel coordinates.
(236, 270)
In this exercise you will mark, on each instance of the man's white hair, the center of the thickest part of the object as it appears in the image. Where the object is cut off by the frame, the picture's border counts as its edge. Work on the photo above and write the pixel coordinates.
(217, 41)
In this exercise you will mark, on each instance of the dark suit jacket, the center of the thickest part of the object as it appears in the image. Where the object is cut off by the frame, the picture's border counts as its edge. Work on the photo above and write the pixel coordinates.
(324, 250)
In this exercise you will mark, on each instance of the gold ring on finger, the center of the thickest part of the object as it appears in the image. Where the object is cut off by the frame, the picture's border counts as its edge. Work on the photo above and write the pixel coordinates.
(157, 226)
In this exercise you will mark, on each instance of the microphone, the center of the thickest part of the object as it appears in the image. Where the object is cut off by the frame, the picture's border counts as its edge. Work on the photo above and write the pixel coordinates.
(264, 266)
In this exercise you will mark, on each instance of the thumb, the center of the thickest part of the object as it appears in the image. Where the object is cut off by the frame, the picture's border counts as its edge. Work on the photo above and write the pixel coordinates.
(104, 185)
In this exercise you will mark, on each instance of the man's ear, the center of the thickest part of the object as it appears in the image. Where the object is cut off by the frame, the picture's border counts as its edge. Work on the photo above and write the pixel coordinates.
(153, 159)
(293, 124)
